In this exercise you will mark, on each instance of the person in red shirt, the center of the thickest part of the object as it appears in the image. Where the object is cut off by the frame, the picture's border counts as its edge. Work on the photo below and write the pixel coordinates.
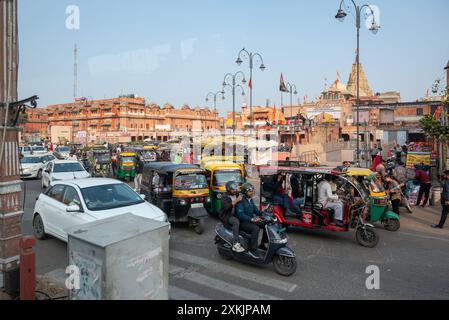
(424, 182)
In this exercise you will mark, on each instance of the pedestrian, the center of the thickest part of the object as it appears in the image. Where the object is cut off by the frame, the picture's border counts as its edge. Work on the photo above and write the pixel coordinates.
(374, 153)
(444, 201)
(404, 153)
(394, 191)
(424, 186)
(398, 151)
(400, 173)
(138, 177)
(380, 169)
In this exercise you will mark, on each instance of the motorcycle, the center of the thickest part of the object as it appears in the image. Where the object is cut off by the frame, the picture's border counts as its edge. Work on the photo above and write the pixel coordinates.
(278, 253)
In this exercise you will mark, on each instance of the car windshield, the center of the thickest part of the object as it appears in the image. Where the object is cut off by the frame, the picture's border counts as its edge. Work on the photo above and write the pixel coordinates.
(31, 160)
(26, 149)
(223, 177)
(128, 159)
(111, 196)
(67, 167)
(103, 158)
(63, 149)
(38, 149)
(190, 181)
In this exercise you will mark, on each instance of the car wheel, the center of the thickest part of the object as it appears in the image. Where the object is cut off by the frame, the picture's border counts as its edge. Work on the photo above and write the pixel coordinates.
(43, 184)
(38, 228)
(39, 175)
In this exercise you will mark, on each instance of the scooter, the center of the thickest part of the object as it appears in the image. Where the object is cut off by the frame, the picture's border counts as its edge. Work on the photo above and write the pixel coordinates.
(283, 258)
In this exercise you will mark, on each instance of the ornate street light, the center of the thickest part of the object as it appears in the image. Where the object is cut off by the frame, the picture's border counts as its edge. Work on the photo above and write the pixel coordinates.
(341, 15)
(230, 80)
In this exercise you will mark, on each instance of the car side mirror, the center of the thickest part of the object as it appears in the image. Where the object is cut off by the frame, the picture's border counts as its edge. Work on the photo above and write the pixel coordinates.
(74, 208)
(47, 171)
(143, 196)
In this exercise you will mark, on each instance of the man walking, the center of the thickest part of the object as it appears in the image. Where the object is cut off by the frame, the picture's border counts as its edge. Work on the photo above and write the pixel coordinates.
(444, 201)
(138, 177)
(424, 186)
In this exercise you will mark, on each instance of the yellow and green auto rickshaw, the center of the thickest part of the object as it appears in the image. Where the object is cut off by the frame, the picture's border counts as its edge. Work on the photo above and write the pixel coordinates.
(126, 166)
(218, 174)
(379, 200)
(180, 190)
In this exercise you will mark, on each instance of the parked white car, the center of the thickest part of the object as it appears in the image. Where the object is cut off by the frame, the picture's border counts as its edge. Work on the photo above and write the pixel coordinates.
(38, 150)
(63, 170)
(26, 150)
(67, 204)
(32, 166)
(62, 152)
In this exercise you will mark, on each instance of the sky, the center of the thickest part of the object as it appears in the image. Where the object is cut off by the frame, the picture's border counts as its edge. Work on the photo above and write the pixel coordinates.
(177, 51)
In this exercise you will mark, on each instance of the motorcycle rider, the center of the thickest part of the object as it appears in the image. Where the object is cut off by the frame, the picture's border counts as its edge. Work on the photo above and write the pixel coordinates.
(249, 215)
(227, 215)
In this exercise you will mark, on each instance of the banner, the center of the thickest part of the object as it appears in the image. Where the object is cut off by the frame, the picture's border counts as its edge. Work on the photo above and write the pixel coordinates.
(414, 158)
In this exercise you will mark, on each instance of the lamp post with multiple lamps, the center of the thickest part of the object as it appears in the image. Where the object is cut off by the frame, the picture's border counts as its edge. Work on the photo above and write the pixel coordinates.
(215, 95)
(254, 59)
(230, 80)
(374, 28)
(293, 91)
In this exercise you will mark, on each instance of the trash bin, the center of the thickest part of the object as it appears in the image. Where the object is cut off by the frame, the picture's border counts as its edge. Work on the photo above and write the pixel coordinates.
(436, 195)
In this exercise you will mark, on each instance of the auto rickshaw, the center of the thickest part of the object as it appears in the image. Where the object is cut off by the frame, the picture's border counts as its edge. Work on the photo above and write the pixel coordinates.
(180, 190)
(101, 163)
(378, 198)
(313, 215)
(218, 174)
(126, 166)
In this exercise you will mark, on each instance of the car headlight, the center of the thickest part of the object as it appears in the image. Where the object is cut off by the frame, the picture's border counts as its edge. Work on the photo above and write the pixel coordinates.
(280, 241)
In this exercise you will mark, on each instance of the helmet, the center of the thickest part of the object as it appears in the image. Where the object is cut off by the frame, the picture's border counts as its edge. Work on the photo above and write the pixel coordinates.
(247, 187)
(232, 186)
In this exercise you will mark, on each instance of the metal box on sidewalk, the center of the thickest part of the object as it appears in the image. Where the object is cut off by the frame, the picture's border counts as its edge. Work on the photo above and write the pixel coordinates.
(120, 258)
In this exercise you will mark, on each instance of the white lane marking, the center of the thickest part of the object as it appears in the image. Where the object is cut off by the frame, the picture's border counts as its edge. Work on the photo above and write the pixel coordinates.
(221, 286)
(423, 237)
(175, 293)
(233, 271)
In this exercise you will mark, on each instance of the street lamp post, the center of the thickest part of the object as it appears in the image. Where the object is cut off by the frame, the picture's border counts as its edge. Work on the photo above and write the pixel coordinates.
(230, 80)
(290, 88)
(215, 95)
(341, 15)
(252, 57)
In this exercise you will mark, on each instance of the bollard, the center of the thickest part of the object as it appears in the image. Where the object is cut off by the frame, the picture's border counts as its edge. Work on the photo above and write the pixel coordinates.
(27, 268)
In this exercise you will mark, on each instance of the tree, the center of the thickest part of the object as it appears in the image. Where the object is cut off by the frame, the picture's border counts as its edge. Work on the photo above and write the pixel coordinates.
(433, 127)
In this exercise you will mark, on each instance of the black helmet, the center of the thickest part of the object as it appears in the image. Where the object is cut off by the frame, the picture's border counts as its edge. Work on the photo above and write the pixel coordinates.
(232, 186)
(247, 187)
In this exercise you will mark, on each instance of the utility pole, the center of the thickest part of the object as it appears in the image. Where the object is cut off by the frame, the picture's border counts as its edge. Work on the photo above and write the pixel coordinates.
(10, 183)
(75, 73)
(445, 118)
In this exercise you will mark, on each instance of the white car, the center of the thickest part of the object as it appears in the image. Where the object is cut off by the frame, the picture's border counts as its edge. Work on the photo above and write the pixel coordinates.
(63, 170)
(67, 204)
(25, 150)
(33, 166)
(62, 152)
(38, 150)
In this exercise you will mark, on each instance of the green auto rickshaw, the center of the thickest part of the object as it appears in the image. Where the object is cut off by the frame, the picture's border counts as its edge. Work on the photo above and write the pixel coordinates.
(126, 166)
(378, 198)
(218, 174)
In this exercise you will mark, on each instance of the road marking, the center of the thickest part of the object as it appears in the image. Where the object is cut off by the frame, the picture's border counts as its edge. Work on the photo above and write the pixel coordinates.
(233, 271)
(421, 236)
(222, 286)
(176, 293)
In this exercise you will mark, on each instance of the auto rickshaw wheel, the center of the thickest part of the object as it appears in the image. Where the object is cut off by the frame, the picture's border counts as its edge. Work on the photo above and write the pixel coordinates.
(392, 225)
(199, 226)
(285, 266)
(367, 237)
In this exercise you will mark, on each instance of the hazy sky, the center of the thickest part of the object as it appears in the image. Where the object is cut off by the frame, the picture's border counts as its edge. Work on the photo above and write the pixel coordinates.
(177, 51)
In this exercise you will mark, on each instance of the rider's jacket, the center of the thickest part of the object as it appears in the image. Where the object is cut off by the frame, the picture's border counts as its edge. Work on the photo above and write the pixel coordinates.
(246, 210)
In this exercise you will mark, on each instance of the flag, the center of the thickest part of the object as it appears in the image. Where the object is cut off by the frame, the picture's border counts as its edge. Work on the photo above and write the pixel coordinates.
(250, 84)
(282, 86)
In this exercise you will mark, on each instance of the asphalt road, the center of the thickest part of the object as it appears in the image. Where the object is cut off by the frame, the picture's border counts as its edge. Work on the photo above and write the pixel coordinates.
(413, 263)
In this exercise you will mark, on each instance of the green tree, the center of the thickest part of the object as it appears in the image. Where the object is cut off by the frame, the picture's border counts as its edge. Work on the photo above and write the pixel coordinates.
(432, 127)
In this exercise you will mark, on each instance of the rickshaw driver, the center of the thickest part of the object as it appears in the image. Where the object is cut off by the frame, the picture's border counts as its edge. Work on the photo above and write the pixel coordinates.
(329, 200)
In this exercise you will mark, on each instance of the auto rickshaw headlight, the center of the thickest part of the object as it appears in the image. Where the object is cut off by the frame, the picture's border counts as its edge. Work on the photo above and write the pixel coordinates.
(182, 202)
(208, 199)
(219, 196)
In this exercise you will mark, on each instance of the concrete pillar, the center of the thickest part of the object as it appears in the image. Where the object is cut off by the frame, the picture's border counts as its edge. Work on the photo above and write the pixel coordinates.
(10, 184)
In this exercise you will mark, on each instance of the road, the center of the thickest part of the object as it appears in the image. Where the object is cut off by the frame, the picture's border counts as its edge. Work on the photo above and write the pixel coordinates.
(413, 263)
